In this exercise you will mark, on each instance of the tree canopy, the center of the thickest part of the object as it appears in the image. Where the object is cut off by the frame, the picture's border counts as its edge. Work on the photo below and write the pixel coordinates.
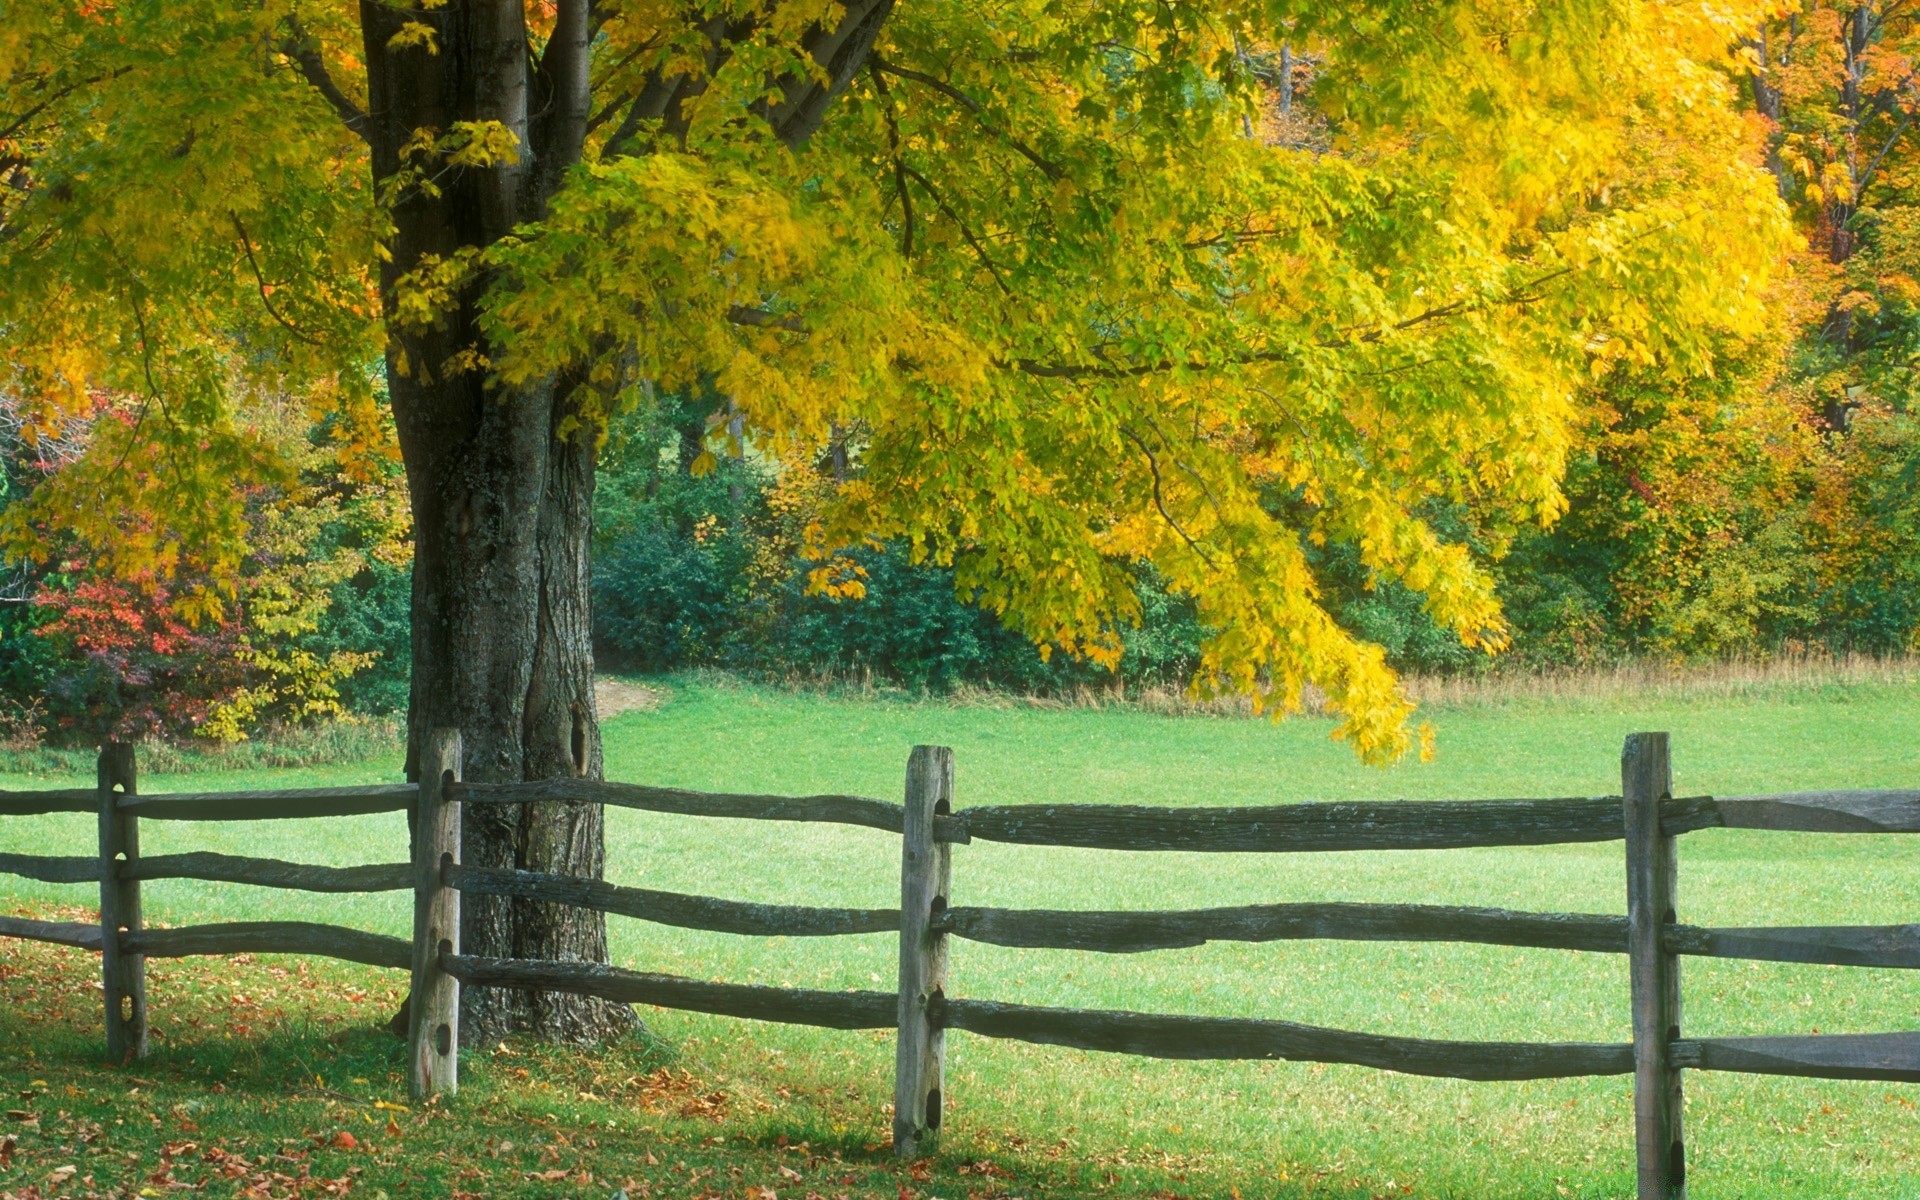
(1076, 283)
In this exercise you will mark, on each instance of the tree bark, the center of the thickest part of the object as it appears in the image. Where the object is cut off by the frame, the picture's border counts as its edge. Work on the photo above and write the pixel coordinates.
(502, 512)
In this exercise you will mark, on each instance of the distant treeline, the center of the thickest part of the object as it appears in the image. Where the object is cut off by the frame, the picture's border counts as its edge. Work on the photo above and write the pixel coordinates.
(1742, 540)
(1705, 521)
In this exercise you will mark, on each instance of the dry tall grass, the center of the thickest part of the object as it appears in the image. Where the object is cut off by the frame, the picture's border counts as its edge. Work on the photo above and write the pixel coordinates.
(1646, 679)
(1731, 678)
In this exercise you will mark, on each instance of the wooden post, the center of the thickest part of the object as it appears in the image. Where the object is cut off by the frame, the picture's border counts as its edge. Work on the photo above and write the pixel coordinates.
(925, 868)
(1646, 778)
(124, 976)
(433, 1012)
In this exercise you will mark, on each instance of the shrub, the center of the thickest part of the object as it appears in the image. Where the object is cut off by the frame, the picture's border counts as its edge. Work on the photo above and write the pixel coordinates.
(371, 613)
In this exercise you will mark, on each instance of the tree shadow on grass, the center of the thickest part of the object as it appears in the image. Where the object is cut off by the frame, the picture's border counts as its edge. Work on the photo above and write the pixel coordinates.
(280, 1070)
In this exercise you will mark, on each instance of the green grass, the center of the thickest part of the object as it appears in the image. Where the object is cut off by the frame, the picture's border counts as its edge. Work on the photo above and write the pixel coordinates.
(1050, 1121)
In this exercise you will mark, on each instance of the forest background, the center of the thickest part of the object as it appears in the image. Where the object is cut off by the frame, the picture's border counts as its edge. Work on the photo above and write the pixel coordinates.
(1769, 508)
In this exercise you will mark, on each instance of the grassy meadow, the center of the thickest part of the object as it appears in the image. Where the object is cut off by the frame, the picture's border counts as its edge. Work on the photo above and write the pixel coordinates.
(278, 1057)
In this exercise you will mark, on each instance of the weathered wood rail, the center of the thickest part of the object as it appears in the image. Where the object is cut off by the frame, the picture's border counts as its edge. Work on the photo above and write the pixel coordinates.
(1646, 817)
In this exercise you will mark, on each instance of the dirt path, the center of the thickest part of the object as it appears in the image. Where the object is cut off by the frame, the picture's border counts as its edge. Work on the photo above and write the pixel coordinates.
(611, 697)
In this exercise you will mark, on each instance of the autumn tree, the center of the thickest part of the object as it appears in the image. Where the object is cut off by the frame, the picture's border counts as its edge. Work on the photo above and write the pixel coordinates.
(1062, 301)
(1837, 87)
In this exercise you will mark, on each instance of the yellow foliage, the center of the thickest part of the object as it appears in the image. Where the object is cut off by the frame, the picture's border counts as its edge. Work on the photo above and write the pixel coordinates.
(1081, 308)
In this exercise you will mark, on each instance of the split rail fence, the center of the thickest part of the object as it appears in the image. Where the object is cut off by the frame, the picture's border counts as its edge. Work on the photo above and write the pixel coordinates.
(1646, 816)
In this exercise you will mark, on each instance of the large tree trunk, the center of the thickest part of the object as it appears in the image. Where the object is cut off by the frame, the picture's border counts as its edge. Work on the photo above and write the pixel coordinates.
(502, 505)
(502, 512)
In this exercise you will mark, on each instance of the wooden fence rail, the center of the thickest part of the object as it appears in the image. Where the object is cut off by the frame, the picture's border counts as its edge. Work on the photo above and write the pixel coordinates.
(1645, 816)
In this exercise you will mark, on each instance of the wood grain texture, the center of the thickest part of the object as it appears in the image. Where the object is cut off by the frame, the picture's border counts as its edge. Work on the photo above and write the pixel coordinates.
(1131, 932)
(283, 804)
(1646, 779)
(1891, 1057)
(272, 872)
(789, 1006)
(1837, 945)
(1382, 825)
(675, 908)
(83, 934)
(1185, 1037)
(123, 970)
(843, 810)
(51, 869)
(57, 800)
(274, 937)
(433, 1007)
(1824, 812)
(926, 869)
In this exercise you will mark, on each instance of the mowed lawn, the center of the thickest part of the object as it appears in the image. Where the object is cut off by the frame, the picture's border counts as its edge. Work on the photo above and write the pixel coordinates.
(1029, 1120)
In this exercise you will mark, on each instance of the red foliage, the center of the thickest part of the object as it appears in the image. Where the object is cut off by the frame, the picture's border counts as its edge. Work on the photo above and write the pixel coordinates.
(141, 669)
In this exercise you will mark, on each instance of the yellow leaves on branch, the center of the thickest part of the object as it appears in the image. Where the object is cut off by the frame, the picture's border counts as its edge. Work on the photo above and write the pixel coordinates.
(1083, 311)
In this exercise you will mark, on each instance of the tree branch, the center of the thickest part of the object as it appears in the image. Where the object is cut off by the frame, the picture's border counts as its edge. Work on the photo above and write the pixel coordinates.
(840, 52)
(899, 166)
(1046, 370)
(946, 210)
(305, 53)
(760, 318)
(266, 294)
(1050, 169)
(566, 62)
(664, 97)
(1520, 296)
(19, 123)
(1866, 176)
(1159, 499)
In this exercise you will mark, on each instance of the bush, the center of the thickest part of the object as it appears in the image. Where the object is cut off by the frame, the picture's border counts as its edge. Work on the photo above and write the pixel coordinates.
(371, 612)
(664, 599)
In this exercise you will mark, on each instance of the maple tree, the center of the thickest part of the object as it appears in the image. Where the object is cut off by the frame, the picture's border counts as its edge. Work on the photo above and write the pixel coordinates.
(1060, 283)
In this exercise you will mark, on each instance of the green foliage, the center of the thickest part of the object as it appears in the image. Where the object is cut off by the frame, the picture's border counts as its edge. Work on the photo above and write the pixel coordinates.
(708, 570)
(909, 627)
(1871, 522)
(371, 613)
(664, 599)
(28, 662)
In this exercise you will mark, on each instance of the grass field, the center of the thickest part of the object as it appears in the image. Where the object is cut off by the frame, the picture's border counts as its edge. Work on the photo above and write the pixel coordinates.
(736, 1099)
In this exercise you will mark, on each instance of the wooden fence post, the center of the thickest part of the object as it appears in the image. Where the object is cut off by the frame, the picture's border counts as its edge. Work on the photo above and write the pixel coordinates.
(123, 975)
(925, 869)
(1646, 779)
(433, 1013)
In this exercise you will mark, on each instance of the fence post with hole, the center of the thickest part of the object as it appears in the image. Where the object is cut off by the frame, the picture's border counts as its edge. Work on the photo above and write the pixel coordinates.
(433, 1014)
(123, 975)
(1646, 779)
(925, 869)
